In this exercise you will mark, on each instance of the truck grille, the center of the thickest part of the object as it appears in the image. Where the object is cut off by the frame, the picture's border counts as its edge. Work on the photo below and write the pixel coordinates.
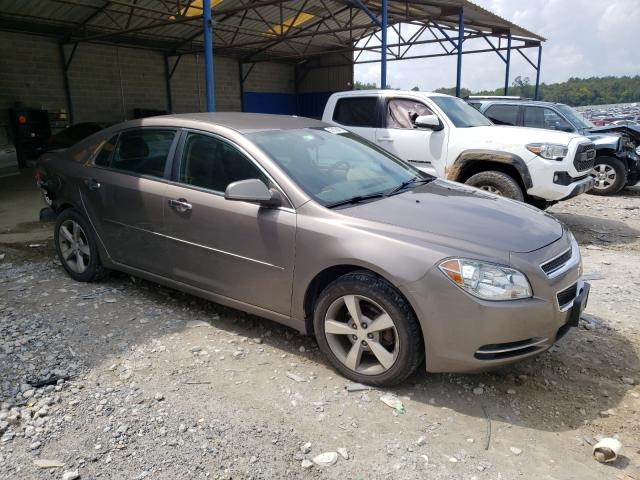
(585, 157)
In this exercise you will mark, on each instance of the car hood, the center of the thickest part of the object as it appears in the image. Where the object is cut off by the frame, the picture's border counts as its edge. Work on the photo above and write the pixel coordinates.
(501, 136)
(465, 213)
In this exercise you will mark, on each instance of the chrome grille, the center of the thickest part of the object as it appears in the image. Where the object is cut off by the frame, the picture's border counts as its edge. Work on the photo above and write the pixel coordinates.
(557, 263)
(585, 157)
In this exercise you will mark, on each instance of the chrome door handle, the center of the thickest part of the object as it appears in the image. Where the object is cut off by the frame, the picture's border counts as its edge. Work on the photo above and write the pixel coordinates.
(180, 205)
(93, 184)
(385, 139)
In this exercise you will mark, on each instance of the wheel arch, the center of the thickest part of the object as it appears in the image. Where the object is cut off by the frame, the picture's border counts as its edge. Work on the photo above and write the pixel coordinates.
(323, 278)
(471, 162)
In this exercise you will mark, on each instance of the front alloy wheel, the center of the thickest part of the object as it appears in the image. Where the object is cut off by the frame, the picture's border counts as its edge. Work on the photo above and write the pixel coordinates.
(361, 334)
(368, 330)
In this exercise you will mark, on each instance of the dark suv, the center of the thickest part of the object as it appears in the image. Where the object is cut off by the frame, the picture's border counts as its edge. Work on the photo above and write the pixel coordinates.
(617, 164)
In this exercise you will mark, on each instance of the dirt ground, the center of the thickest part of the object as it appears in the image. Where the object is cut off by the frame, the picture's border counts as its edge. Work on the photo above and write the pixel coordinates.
(147, 382)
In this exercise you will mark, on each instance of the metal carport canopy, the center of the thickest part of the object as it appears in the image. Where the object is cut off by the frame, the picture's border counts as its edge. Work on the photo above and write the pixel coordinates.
(292, 31)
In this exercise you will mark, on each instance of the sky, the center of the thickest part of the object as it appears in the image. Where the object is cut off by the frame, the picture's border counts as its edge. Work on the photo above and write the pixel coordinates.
(584, 38)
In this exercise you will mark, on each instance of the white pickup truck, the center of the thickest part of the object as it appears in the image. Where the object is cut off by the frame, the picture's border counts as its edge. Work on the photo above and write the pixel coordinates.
(444, 136)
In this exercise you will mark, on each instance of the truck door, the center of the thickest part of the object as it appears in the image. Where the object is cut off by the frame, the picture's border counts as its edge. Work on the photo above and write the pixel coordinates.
(424, 148)
(359, 114)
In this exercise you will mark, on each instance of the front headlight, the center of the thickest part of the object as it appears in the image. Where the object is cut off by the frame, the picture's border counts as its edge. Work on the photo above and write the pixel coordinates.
(550, 151)
(638, 150)
(486, 280)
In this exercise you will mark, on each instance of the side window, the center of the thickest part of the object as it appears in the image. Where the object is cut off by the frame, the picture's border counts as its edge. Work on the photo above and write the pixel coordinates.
(211, 163)
(539, 117)
(356, 112)
(103, 158)
(502, 114)
(554, 121)
(402, 112)
(143, 151)
(534, 117)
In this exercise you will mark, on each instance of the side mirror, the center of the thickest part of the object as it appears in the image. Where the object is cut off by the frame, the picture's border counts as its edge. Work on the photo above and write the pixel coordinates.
(253, 190)
(428, 121)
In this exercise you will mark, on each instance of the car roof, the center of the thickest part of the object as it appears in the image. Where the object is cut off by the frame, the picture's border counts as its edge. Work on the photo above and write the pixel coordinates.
(387, 92)
(241, 122)
(514, 101)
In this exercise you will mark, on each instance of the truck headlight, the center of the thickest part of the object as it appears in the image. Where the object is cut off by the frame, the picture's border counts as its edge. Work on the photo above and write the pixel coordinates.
(486, 280)
(550, 151)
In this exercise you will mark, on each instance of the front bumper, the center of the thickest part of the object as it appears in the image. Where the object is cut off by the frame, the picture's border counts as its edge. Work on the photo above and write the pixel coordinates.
(580, 186)
(465, 334)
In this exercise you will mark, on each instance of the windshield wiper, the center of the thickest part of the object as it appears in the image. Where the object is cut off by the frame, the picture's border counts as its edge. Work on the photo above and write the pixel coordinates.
(414, 181)
(356, 199)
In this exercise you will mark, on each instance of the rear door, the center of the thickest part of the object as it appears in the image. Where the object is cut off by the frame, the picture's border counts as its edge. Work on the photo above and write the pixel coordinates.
(424, 148)
(504, 114)
(240, 250)
(359, 114)
(124, 193)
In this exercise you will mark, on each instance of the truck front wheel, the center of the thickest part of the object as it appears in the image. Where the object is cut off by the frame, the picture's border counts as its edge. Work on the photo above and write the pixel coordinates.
(610, 174)
(497, 182)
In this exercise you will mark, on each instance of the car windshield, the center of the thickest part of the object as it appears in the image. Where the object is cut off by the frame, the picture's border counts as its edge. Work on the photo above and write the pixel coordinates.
(461, 114)
(334, 166)
(574, 117)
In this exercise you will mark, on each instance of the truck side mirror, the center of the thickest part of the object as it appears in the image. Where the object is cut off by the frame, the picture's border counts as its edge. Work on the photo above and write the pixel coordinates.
(428, 121)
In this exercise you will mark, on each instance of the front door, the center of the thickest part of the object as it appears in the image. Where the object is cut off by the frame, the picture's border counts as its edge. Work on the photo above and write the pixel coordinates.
(423, 148)
(124, 197)
(240, 250)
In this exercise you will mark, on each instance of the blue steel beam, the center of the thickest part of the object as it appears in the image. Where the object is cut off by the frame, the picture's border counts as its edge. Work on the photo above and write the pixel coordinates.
(383, 58)
(508, 64)
(536, 96)
(208, 55)
(460, 39)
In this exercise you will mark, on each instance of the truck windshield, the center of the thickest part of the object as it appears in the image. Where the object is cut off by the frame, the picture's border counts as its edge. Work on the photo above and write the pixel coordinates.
(461, 114)
(574, 117)
(334, 166)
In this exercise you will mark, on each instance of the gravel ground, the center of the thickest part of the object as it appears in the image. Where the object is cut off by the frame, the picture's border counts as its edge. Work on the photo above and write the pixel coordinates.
(126, 379)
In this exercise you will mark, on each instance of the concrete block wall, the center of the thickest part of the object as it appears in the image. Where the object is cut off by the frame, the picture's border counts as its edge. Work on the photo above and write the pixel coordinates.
(30, 72)
(270, 77)
(107, 82)
(187, 84)
(327, 73)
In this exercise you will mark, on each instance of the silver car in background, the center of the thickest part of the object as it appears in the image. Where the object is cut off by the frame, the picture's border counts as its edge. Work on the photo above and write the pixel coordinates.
(314, 227)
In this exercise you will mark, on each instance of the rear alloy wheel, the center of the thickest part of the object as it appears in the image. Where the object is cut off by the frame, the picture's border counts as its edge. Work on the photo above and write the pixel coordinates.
(498, 183)
(367, 330)
(610, 174)
(76, 247)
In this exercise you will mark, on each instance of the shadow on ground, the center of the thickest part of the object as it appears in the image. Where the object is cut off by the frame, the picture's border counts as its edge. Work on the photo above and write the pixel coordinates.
(598, 230)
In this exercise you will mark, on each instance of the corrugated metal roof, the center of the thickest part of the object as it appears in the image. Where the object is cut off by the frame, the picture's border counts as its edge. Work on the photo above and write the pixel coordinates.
(262, 29)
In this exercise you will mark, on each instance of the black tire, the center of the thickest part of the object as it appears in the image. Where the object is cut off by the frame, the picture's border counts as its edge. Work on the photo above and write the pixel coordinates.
(94, 270)
(604, 184)
(410, 347)
(497, 182)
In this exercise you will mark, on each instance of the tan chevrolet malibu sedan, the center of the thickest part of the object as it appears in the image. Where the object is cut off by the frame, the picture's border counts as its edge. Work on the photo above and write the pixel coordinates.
(314, 227)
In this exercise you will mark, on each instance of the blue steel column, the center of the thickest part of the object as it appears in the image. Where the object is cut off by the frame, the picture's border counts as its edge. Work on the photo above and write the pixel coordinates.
(383, 59)
(536, 96)
(508, 62)
(460, 37)
(208, 55)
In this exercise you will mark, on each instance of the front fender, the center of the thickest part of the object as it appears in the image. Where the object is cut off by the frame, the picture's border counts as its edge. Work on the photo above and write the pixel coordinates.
(455, 171)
